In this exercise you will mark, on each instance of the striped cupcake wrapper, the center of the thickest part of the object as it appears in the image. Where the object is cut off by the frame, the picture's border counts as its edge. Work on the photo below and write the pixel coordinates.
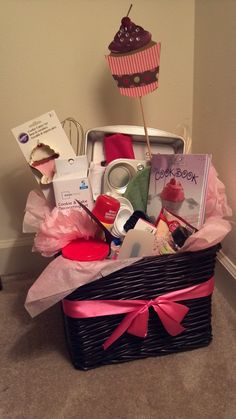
(136, 74)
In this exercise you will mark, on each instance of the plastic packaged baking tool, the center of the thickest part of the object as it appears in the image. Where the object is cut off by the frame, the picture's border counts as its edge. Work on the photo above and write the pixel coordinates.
(137, 243)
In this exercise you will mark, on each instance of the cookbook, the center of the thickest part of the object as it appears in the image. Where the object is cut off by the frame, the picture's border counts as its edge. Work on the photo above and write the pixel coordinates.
(178, 182)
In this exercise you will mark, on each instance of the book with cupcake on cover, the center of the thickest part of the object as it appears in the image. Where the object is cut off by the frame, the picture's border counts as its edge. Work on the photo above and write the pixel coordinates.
(178, 182)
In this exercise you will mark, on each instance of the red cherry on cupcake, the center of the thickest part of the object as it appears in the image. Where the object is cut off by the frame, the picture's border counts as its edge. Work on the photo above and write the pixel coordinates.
(125, 21)
(130, 37)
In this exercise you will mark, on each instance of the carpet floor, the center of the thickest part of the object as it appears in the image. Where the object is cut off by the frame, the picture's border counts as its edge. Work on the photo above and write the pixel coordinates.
(37, 380)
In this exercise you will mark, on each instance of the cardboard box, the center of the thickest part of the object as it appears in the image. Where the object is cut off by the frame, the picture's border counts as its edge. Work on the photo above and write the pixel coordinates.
(70, 183)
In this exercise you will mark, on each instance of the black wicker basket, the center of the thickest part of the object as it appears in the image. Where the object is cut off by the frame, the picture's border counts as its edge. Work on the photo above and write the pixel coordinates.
(145, 279)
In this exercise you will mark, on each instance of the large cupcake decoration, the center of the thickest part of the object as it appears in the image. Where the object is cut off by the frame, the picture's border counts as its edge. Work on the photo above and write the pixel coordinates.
(134, 59)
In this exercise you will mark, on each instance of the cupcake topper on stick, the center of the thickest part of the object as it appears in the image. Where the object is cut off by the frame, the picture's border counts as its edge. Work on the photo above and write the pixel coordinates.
(134, 63)
(130, 7)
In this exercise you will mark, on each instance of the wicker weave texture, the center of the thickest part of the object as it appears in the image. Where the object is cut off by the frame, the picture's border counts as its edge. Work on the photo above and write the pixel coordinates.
(145, 279)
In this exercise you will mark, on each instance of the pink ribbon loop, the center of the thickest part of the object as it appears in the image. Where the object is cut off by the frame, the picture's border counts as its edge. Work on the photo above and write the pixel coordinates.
(135, 322)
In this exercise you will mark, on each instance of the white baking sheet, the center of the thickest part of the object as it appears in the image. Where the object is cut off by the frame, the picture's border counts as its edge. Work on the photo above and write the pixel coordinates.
(161, 141)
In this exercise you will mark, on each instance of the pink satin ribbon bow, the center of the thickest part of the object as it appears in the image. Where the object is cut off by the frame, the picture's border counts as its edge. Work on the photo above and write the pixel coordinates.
(136, 321)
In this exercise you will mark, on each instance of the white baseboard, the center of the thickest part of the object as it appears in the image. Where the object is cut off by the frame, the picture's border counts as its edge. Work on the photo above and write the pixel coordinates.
(225, 275)
(227, 264)
(18, 242)
(16, 256)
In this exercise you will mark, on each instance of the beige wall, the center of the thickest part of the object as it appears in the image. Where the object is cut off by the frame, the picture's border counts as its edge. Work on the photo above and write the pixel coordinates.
(52, 57)
(214, 107)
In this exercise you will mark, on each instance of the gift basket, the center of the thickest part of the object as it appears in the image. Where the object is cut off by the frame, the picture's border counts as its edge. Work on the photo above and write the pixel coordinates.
(134, 225)
(144, 306)
(124, 300)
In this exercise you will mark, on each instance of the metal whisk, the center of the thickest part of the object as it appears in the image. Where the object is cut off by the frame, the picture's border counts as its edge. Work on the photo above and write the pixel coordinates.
(75, 133)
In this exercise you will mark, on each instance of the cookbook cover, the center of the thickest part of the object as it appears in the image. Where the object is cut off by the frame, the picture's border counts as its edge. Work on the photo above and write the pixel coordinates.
(178, 182)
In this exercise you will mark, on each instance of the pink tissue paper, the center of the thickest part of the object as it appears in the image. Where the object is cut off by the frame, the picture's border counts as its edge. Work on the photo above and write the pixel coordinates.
(55, 228)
